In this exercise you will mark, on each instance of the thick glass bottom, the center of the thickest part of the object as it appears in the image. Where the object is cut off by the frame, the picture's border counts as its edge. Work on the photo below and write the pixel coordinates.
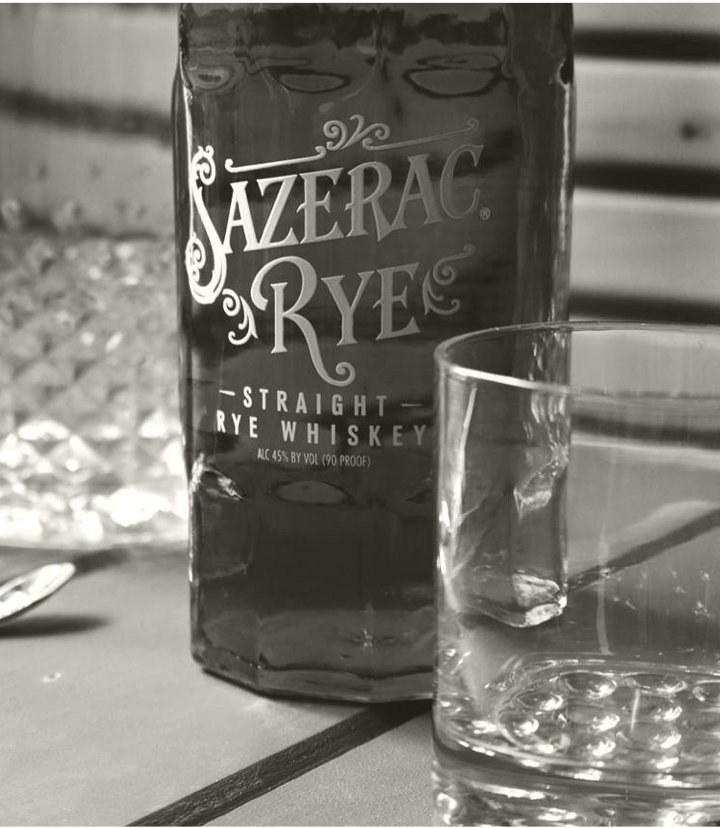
(494, 795)
(593, 741)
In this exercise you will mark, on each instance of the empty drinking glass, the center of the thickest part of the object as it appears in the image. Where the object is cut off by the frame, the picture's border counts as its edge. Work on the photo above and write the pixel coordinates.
(578, 666)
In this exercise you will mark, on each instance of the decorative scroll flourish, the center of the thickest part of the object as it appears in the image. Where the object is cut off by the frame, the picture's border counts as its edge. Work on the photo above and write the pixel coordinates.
(472, 126)
(202, 173)
(195, 258)
(234, 305)
(231, 167)
(443, 274)
(340, 135)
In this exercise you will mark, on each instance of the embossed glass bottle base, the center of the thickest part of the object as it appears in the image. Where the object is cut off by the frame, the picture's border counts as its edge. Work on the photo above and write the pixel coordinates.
(331, 655)
(284, 602)
(319, 684)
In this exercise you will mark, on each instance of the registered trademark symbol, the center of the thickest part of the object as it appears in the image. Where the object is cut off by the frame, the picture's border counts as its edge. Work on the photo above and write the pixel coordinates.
(485, 213)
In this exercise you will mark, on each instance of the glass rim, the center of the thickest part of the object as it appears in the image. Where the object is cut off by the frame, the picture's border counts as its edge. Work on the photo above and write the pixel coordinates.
(444, 362)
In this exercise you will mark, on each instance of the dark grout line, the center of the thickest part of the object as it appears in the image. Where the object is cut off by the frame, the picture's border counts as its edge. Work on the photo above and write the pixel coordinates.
(89, 116)
(648, 45)
(642, 309)
(223, 796)
(650, 179)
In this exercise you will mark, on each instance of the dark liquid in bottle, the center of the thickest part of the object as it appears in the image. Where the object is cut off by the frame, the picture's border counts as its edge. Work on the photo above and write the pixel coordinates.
(354, 184)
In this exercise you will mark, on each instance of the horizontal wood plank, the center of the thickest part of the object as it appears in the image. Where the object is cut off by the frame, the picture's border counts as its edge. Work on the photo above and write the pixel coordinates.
(648, 112)
(384, 782)
(645, 112)
(642, 246)
(122, 183)
(105, 717)
(90, 52)
(694, 18)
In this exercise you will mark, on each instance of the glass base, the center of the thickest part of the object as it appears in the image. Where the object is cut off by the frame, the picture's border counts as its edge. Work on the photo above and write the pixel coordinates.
(591, 741)
(498, 797)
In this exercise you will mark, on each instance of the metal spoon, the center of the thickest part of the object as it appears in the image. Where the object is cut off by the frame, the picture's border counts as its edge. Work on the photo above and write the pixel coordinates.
(26, 591)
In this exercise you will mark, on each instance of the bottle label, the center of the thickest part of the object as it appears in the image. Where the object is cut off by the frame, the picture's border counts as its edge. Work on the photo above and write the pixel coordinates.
(271, 208)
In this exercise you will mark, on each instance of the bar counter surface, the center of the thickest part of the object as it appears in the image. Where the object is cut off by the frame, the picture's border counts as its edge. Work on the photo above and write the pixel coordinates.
(107, 720)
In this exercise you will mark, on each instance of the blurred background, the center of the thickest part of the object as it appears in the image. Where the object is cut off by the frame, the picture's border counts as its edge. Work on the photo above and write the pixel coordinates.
(88, 86)
(86, 190)
(647, 199)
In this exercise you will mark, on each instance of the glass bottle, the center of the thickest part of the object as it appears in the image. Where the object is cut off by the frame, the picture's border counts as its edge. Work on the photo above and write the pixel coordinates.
(354, 184)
